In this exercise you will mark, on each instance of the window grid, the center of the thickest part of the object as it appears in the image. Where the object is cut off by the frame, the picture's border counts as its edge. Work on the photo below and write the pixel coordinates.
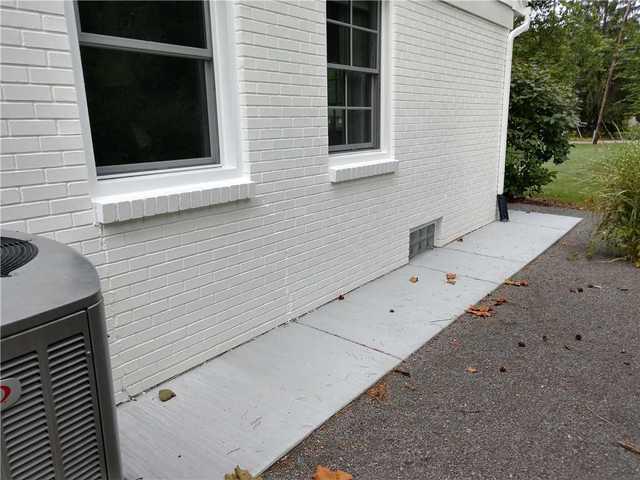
(375, 84)
(86, 39)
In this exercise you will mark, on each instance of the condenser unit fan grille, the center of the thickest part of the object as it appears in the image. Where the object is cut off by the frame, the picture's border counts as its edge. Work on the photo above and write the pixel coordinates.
(14, 254)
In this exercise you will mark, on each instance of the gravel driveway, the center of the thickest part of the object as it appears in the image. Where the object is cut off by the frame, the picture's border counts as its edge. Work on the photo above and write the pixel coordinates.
(557, 386)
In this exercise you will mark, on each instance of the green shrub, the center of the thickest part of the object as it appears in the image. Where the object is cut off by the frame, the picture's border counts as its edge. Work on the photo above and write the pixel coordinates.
(541, 117)
(617, 199)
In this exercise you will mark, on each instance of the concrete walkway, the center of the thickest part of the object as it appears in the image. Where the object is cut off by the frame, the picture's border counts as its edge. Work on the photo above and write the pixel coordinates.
(253, 404)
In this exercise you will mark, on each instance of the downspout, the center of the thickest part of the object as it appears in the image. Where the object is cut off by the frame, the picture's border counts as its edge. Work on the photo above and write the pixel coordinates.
(502, 201)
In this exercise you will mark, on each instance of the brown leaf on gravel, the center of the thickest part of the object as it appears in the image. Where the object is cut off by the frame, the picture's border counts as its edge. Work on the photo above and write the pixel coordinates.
(451, 278)
(413, 279)
(500, 301)
(472, 370)
(627, 445)
(517, 283)
(480, 311)
(240, 474)
(378, 392)
(324, 473)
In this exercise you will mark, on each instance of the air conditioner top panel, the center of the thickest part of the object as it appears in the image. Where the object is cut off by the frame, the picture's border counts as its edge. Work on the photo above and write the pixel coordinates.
(58, 281)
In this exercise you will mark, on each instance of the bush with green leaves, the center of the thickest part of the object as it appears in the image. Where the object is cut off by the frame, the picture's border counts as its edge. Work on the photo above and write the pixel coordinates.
(541, 116)
(617, 200)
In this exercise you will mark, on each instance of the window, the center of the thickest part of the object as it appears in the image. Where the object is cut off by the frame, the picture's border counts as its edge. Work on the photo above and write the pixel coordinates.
(148, 75)
(353, 74)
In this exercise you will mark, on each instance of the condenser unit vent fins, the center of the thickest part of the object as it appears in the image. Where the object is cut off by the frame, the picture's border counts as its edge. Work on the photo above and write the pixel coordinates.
(14, 254)
(421, 239)
(75, 412)
(25, 433)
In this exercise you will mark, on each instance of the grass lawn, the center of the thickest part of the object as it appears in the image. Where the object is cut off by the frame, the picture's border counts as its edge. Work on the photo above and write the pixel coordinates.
(573, 185)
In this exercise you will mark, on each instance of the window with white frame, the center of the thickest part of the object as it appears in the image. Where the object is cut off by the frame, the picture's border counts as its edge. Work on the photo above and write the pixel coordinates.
(353, 74)
(148, 76)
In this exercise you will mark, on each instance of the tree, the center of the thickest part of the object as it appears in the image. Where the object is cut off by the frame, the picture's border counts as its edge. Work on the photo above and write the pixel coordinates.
(614, 61)
(574, 40)
(541, 115)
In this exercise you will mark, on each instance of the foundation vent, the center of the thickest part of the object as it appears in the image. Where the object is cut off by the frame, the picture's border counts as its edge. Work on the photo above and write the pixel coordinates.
(421, 239)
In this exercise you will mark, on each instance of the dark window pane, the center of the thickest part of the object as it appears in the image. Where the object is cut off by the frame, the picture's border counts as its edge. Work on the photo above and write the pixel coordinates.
(365, 14)
(359, 88)
(338, 10)
(181, 23)
(335, 83)
(337, 44)
(365, 49)
(359, 126)
(336, 127)
(145, 108)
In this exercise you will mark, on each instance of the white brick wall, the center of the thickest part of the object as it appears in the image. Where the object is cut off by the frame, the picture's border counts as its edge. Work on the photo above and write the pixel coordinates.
(181, 288)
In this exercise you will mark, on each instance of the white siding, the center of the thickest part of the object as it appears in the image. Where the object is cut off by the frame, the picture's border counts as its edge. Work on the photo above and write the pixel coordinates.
(181, 288)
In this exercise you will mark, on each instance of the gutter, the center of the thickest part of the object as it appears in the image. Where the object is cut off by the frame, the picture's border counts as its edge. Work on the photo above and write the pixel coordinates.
(502, 201)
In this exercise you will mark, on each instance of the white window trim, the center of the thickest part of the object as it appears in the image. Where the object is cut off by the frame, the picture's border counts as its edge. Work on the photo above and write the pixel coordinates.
(344, 166)
(146, 184)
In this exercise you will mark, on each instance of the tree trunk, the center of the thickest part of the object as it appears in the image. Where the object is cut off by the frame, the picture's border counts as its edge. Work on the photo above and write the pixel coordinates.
(612, 67)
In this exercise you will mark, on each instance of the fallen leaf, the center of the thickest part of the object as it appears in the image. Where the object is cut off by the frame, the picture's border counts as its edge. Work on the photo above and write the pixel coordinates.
(402, 372)
(378, 391)
(500, 301)
(627, 445)
(451, 278)
(480, 311)
(324, 473)
(472, 370)
(567, 347)
(517, 283)
(340, 297)
(414, 279)
(165, 394)
(240, 474)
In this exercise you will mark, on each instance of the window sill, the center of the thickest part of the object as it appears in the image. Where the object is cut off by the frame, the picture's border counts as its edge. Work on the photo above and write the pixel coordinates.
(344, 172)
(142, 204)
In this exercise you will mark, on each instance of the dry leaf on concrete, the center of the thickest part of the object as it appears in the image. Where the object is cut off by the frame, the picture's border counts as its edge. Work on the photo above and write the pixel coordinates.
(413, 279)
(451, 278)
(480, 311)
(517, 283)
(324, 473)
(499, 301)
(240, 474)
(472, 370)
(165, 394)
(378, 391)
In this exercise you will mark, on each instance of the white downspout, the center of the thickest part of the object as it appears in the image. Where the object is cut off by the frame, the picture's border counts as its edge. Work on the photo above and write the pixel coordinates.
(505, 99)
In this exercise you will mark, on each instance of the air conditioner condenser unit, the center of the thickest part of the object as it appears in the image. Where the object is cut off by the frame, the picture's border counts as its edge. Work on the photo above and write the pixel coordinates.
(57, 407)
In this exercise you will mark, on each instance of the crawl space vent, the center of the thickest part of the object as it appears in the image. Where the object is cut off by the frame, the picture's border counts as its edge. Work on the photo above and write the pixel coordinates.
(422, 239)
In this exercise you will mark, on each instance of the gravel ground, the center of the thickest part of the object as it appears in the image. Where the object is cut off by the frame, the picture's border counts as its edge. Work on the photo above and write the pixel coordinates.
(570, 392)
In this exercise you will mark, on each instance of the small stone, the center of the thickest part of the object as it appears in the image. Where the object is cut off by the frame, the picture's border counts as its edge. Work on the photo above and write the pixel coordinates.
(578, 337)
(391, 310)
(580, 289)
(544, 338)
(502, 369)
(521, 344)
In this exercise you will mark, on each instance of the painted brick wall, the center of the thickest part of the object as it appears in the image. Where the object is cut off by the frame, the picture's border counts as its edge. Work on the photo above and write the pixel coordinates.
(182, 288)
